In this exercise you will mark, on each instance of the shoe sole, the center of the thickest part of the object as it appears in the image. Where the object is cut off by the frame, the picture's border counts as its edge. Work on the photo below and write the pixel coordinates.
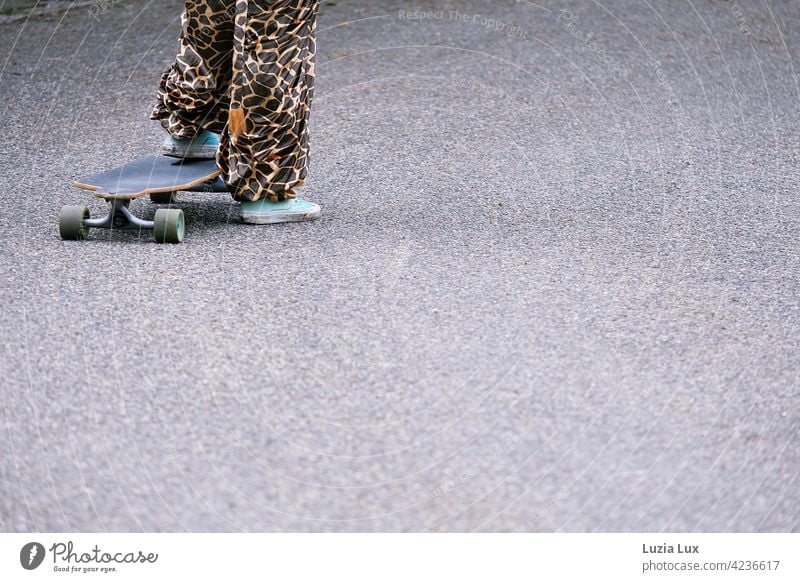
(277, 217)
(194, 154)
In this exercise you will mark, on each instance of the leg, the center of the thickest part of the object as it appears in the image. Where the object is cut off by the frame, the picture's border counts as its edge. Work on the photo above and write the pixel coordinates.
(264, 152)
(194, 91)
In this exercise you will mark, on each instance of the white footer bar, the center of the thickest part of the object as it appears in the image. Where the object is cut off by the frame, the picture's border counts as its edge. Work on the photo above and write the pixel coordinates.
(400, 557)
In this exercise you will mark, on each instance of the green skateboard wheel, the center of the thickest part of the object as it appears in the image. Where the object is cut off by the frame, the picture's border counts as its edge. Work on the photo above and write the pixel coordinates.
(72, 222)
(169, 225)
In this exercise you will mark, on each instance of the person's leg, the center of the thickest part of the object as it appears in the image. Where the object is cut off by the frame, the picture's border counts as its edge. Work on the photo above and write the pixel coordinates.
(264, 150)
(194, 92)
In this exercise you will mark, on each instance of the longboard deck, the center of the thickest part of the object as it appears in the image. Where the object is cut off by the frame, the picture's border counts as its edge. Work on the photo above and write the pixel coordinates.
(153, 175)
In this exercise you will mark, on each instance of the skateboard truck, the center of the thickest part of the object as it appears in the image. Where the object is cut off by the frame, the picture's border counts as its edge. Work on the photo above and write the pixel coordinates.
(168, 225)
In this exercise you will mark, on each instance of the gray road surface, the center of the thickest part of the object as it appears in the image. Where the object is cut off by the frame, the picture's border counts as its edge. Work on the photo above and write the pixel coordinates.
(554, 288)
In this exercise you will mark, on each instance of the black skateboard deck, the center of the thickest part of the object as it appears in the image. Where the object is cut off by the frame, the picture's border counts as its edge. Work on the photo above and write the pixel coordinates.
(160, 177)
(154, 175)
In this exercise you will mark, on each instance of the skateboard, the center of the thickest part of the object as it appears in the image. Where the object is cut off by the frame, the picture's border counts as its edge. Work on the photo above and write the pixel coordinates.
(160, 177)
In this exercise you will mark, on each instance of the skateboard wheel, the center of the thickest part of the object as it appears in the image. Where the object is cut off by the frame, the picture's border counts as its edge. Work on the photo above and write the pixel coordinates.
(162, 197)
(169, 225)
(72, 222)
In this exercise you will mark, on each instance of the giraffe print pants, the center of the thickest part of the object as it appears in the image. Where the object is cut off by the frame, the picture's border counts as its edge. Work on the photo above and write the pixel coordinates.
(245, 70)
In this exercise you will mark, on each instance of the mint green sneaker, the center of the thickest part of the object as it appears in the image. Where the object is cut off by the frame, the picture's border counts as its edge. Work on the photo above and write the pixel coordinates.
(203, 146)
(266, 212)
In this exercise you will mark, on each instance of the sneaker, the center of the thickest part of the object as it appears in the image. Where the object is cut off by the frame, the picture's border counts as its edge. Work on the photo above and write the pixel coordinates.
(266, 212)
(203, 146)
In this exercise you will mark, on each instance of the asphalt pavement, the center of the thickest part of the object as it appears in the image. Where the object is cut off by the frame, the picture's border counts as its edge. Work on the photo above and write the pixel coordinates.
(554, 286)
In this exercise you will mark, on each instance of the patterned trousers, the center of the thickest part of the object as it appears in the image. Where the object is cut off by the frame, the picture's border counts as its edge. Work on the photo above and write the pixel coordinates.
(245, 69)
